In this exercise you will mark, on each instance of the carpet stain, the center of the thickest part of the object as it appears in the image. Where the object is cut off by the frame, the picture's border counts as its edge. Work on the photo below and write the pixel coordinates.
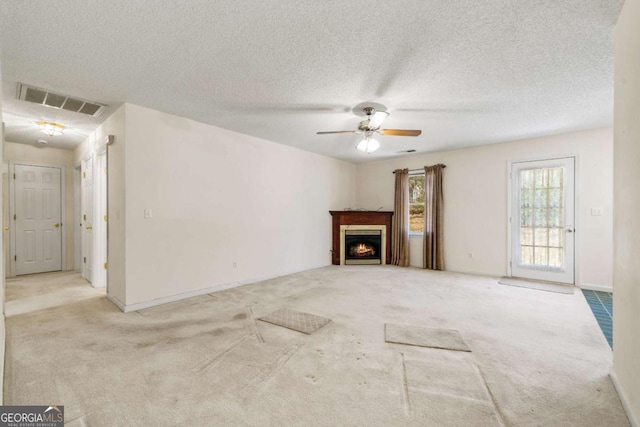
(145, 344)
(240, 316)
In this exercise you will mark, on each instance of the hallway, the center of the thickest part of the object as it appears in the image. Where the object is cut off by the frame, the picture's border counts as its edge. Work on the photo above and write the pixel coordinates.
(33, 292)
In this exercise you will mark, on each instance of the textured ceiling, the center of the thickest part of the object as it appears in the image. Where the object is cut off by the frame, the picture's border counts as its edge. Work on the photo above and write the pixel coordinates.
(465, 72)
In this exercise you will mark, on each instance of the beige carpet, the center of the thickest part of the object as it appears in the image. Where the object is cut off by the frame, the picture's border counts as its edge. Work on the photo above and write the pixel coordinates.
(538, 357)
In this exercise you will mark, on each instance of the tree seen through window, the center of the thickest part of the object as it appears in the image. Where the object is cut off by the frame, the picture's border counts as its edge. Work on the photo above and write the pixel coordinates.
(416, 203)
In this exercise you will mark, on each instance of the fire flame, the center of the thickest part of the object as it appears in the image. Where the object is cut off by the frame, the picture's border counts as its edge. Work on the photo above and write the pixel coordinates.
(364, 250)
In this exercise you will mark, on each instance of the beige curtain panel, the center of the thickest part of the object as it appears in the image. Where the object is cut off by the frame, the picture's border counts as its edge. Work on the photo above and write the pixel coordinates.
(433, 213)
(400, 223)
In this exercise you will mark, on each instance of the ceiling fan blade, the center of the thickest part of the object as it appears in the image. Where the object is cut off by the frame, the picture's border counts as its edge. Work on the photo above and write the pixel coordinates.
(377, 118)
(335, 131)
(400, 132)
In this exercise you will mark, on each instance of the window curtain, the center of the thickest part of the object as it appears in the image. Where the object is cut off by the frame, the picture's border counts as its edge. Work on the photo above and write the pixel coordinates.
(433, 213)
(400, 223)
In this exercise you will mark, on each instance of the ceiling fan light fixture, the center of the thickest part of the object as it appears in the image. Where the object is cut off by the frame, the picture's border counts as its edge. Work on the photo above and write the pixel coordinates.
(368, 145)
(51, 129)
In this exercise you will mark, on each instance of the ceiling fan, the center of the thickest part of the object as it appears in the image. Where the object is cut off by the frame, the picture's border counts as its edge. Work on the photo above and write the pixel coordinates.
(370, 126)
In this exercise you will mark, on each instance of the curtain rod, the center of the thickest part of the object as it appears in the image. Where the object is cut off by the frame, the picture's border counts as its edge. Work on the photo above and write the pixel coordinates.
(420, 170)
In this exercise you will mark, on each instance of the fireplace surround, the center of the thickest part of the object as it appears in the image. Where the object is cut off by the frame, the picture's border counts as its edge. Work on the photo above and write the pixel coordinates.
(363, 226)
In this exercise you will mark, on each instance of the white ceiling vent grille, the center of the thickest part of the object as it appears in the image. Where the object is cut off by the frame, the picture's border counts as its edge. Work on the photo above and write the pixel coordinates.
(55, 100)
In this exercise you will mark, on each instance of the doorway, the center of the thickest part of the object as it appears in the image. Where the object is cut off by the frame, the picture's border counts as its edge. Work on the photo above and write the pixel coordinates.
(36, 211)
(86, 170)
(93, 216)
(100, 221)
(542, 220)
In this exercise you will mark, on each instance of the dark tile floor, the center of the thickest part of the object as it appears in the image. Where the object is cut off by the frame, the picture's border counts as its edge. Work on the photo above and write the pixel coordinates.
(601, 304)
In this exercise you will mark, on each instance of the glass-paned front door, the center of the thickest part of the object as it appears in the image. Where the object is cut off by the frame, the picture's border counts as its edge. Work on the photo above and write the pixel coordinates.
(542, 220)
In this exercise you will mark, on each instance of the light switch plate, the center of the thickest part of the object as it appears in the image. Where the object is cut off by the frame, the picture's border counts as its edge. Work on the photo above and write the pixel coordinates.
(596, 211)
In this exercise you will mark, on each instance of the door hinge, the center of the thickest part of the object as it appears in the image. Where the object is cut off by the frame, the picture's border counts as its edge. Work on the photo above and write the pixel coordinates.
(105, 217)
(15, 257)
(105, 170)
(105, 265)
(84, 174)
(84, 217)
(14, 176)
(14, 217)
(84, 260)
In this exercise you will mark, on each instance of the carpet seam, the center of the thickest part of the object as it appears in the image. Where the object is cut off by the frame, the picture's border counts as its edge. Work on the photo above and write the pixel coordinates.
(500, 415)
(405, 388)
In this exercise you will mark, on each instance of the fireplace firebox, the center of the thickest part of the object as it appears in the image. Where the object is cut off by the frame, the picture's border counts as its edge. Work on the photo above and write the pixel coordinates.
(363, 247)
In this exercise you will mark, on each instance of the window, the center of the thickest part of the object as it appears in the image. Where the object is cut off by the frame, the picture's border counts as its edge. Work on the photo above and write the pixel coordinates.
(416, 203)
(541, 218)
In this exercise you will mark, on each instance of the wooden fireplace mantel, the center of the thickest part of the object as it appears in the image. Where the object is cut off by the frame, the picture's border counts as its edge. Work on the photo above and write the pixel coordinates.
(358, 218)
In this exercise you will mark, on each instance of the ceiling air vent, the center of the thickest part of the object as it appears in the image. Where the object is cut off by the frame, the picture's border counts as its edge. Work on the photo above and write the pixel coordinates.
(55, 100)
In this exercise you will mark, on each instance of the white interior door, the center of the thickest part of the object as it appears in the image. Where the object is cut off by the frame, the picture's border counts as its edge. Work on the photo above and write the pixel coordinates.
(87, 219)
(542, 219)
(38, 225)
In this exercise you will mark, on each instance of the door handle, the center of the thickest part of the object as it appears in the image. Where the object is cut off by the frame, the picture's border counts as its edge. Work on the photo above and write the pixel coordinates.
(56, 225)
(89, 227)
(570, 230)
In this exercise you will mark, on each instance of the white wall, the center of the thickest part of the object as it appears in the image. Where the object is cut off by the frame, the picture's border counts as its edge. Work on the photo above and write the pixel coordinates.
(113, 125)
(475, 186)
(220, 197)
(51, 156)
(626, 299)
(217, 198)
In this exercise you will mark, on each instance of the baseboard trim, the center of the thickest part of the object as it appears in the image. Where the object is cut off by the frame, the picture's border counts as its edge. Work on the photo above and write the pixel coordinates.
(117, 302)
(173, 298)
(593, 287)
(471, 273)
(623, 398)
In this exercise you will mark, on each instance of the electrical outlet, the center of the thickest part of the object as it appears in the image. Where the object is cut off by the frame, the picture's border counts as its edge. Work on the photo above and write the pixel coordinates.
(235, 264)
(596, 211)
(470, 254)
(148, 214)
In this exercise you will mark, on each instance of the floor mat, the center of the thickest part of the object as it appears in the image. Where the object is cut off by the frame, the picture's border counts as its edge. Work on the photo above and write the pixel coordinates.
(540, 286)
(296, 320)
(447, 339)
(601, 304)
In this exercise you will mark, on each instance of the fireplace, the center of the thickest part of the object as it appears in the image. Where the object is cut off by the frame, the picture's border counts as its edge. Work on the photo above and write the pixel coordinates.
(363, 247)
(363, 244)
(344, 223)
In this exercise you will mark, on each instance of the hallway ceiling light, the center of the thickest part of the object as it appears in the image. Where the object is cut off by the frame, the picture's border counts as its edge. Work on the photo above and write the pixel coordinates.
(51, 129)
